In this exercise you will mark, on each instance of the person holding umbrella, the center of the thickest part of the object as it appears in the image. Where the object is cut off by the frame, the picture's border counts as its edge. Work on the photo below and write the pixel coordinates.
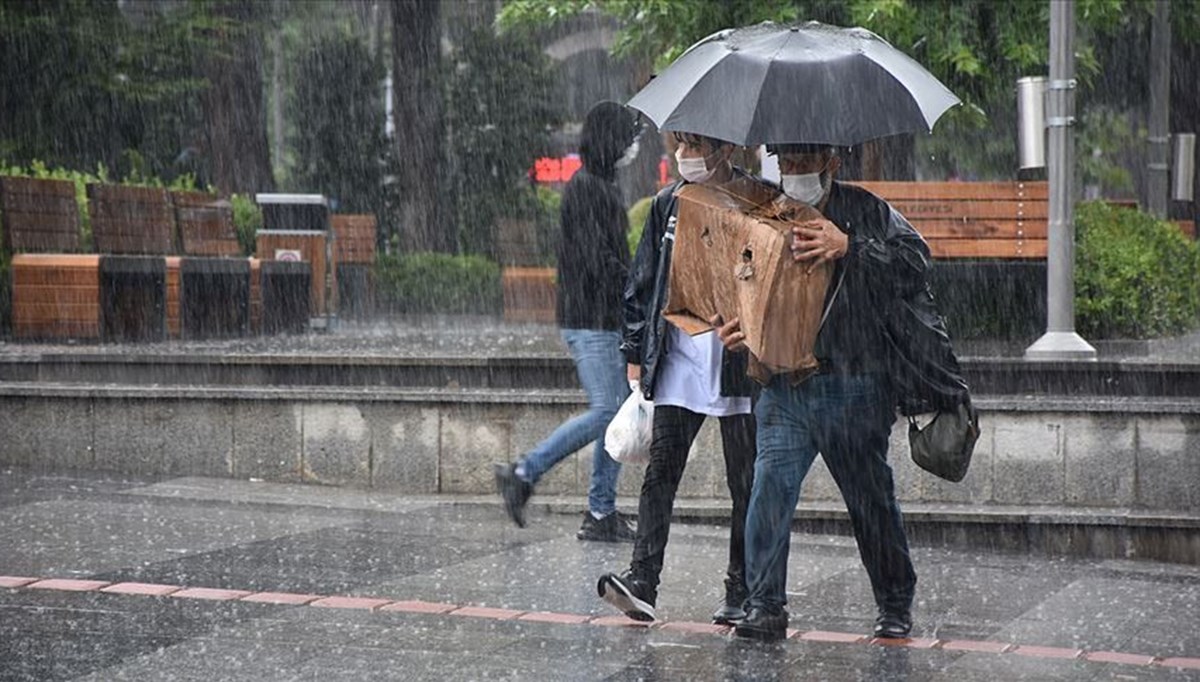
(689, 378)
(846, 411)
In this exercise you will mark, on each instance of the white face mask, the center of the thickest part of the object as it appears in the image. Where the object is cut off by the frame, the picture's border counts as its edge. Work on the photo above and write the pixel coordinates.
(808, 188)
(629, 155)
(693, 169)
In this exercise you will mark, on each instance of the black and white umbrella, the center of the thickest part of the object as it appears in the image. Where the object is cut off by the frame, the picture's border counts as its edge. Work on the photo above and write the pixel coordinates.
(811, 83)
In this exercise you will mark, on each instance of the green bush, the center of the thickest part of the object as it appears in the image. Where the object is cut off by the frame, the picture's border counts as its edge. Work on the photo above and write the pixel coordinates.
(438, 283)
(549, 231)
(637, 220)
(1135, 276)
(247, 220)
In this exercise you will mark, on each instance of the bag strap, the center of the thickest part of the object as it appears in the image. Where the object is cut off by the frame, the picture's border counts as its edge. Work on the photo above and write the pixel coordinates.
(829, 306)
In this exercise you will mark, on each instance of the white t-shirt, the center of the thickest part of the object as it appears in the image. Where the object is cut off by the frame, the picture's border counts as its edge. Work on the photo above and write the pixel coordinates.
(690, 376)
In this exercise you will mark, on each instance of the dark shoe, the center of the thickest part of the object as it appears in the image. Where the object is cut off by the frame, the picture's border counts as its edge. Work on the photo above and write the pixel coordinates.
(763, 625)
(514, 491)
(728, 614)
(893, 624)
(635, 598)
(611, 528)
(732, 610)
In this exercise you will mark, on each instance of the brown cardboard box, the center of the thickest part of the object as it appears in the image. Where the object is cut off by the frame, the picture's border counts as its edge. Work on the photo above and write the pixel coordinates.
(732, 257)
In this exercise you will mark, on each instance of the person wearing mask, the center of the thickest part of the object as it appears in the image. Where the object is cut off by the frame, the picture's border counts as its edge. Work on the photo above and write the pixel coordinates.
(689, 378)
(593, 261)
(846, 410)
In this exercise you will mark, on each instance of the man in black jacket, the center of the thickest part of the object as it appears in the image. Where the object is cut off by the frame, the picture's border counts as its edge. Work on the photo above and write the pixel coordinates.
(689, 378)
(593, 260)
(847, 409)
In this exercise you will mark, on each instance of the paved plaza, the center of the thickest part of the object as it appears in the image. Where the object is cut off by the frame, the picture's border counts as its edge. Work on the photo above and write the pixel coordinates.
(207, 579)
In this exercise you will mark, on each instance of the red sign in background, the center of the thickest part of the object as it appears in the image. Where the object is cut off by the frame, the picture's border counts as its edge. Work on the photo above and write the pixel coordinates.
(552, 170)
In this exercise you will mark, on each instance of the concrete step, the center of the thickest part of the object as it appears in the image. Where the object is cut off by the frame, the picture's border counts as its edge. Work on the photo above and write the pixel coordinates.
(987, 376)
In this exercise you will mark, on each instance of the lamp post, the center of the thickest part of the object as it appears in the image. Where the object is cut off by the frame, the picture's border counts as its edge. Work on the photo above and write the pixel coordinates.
(1060, 342)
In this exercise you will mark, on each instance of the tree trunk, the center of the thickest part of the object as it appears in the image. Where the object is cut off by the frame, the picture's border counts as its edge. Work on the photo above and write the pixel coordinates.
(416, 42)
(235, 119)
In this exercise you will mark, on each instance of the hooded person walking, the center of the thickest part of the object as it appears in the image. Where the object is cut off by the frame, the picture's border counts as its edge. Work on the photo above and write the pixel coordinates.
(593, 262)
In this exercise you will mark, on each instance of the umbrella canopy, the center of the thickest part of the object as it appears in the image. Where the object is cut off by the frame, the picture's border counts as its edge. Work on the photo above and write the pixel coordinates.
(811, 83)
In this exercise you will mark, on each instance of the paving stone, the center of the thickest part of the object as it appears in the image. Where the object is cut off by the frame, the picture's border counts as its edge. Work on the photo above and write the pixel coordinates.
(210, 593)
(350, 603)
(146, 589)
(67, 585)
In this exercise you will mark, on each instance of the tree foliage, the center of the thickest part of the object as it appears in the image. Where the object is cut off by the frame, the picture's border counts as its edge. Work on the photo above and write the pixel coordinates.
(501, 108)
(978, 48)
(338, 138)
(83, 84)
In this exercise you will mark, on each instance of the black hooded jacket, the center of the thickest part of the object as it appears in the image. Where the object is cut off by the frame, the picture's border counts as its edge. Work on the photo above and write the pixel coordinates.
(593, 254)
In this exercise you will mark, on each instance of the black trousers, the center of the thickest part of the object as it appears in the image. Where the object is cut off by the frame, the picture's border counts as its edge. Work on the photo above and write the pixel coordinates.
(674, 430)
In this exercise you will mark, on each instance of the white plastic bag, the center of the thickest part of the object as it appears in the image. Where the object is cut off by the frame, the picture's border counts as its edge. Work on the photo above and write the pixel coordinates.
(627, 439)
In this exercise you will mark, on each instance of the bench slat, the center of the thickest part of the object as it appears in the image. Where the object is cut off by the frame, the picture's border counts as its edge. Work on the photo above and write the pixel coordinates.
(972, 191)
(987, 248)
(934, 209)
(981, 229)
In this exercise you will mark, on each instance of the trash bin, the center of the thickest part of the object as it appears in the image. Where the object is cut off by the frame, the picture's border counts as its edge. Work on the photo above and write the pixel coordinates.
(297, 227)
(133, 298)
(214, 298)
(294, 211)
(285, 289)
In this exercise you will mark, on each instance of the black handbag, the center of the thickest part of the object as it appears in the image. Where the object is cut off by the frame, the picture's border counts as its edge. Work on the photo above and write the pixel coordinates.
(925, 377)
(945, 445)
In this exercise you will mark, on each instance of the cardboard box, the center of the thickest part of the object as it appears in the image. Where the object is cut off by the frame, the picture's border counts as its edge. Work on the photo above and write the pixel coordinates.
(732, 257)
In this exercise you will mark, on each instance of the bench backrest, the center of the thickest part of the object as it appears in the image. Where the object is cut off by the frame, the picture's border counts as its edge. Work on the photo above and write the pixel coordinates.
(973, 219)
(354, 238)
(131, 220)
(39, 215)
(205, 224)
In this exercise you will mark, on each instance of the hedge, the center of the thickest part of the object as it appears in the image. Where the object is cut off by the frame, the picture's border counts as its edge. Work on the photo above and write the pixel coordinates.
(1135, 276)
(438, 283)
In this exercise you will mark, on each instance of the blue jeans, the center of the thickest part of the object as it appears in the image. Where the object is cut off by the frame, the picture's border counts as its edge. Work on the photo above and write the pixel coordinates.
(848, 419)
(601, 369)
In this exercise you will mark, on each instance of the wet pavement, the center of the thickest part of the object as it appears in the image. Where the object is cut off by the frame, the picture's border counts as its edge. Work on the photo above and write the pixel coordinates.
(207, 579)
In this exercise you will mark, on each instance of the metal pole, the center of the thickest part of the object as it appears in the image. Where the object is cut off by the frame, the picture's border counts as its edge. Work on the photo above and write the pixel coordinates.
(1160, 102)
(1060, 342)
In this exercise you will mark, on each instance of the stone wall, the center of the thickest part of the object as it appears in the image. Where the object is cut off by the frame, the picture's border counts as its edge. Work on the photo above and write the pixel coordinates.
(1142, 455)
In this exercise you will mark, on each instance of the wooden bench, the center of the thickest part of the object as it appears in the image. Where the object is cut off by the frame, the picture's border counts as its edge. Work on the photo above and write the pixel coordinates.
(133, 230)
(1005, 220)
(988, 241)
(205, 224)
(56, 296)
(131, 221)
(530, 294)
(354, 251)
(40, 216)
(55, 292)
